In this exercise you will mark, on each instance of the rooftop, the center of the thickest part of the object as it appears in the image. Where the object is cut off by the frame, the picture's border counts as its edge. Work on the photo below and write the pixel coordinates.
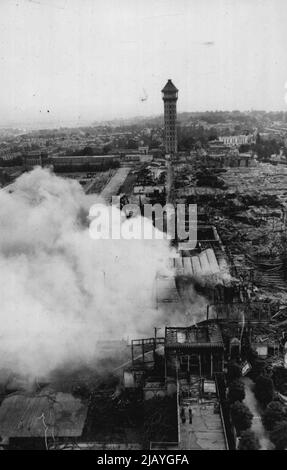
(204, 336)
(169, 87)
(203, 264)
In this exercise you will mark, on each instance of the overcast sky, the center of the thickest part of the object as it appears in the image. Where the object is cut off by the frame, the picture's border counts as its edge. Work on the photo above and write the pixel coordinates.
(96, 59)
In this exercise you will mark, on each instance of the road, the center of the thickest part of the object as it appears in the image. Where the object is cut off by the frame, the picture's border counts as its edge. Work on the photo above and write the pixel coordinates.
(115, 183)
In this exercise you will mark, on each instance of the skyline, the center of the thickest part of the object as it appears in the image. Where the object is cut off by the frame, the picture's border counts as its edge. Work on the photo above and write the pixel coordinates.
(93, 60)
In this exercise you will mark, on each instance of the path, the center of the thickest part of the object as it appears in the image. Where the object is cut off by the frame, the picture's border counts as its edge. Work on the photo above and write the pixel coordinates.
(253, 405)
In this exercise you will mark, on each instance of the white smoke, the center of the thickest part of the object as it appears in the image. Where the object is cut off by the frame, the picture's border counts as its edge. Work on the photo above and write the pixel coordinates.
(60, 290)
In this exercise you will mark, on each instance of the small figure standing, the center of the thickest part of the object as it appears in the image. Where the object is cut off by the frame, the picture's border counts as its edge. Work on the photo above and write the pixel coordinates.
(190, 415)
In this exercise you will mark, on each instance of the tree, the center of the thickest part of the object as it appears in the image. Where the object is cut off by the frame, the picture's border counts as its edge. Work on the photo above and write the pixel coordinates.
(244, 148)
(233, 371)
(258, 364)
(107, 148)
(264, 389)
(279, 373)
(273, 414)
(248, 441)
(132, 144)
(241, 416)
(279, 435)
(236, 391)
(87, 151)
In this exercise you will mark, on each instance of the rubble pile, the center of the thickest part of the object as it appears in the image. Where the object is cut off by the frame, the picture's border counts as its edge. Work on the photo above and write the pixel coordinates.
(248, 208)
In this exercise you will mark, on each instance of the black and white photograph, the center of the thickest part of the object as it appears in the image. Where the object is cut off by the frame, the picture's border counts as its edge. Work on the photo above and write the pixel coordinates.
(143, 228)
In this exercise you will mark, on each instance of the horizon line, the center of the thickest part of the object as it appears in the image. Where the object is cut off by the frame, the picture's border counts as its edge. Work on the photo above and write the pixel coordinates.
(93, 122)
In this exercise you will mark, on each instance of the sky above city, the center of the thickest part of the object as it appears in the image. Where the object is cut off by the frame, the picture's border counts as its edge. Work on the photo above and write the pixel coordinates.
(75, 61)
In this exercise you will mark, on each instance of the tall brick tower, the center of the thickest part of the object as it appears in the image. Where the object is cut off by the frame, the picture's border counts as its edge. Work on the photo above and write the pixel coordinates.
(169, 96)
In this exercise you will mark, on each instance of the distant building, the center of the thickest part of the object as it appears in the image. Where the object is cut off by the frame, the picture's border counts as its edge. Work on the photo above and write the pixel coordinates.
(78, 162)
(237, 139)
(34, 158)
(144, 150)
(169, 96)
(230, 160)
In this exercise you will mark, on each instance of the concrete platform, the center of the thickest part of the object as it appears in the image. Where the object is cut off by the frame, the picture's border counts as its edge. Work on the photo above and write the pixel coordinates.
(205, 432)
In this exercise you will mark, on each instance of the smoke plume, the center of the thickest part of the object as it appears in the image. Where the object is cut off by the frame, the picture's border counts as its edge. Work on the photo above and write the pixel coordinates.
(61, 290)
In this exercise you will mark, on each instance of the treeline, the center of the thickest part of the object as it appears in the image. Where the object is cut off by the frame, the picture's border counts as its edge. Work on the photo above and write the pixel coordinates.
(85, 152)
(263, 148)
(5, 178)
